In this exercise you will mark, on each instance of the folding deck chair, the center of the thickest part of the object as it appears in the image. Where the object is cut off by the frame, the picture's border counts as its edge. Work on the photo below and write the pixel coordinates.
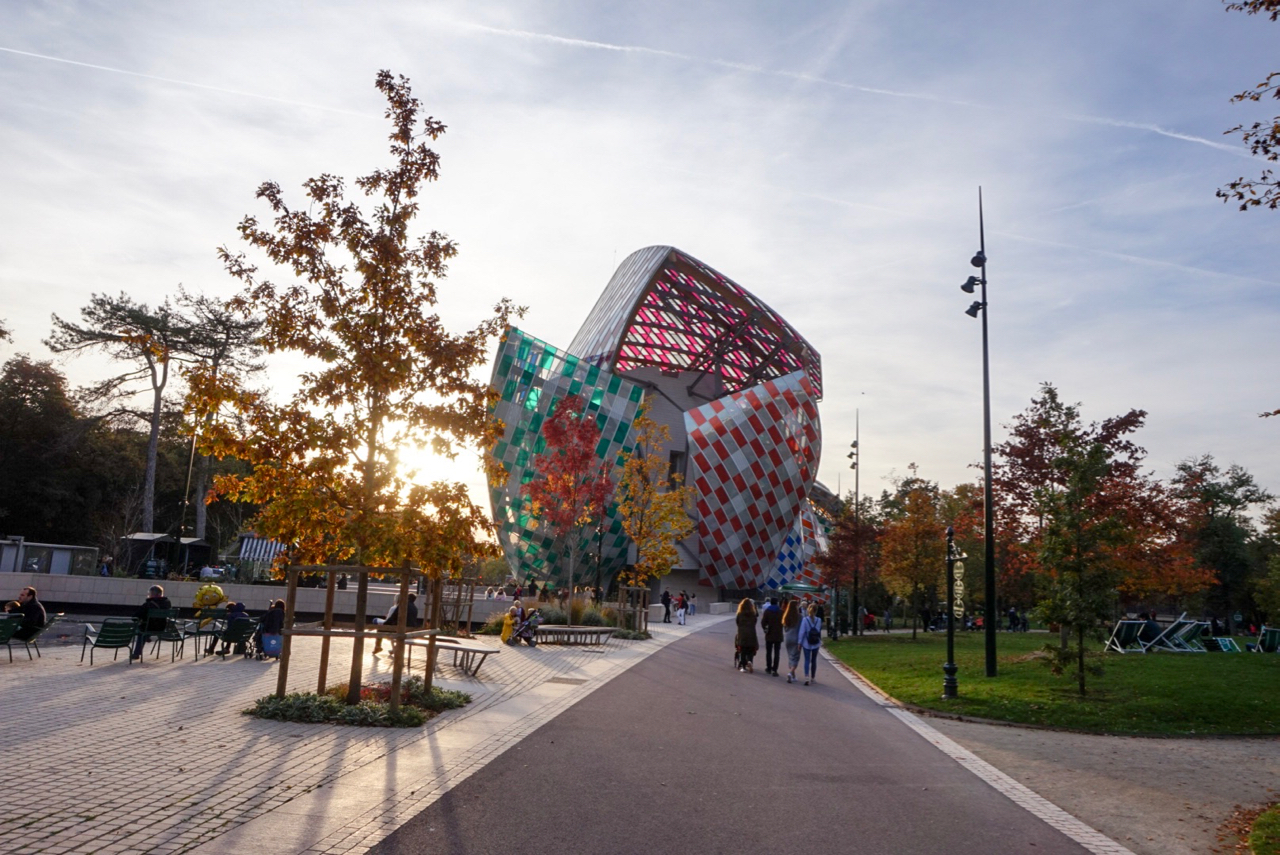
(1268, 640)
(1124, 638)
(1181, 636)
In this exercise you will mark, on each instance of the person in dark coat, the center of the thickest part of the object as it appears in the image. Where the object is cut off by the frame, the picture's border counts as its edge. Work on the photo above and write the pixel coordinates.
(393, 619)
(155, 600)
(771, 623)
(32, 611)
(666, 607)
(746, 641)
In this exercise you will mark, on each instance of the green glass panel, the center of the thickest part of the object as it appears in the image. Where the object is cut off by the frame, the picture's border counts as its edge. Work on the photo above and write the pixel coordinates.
(509, 390)
(615, 383)
(597, 398)
(517, 436)
(593, 374)
(548, 360)
(575, 388)
(504, 367)
(523, 520)
(500, 450)
(535, 422)
(522, 352)
(636, 394)
(570, 365)
(531, 402)
(601, 421)
(621, 433)
(541, 444)
(602, 448)
(522, 459)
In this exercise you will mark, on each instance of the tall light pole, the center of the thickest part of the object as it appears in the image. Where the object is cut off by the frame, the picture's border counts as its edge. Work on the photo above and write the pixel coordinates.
(856, 618)
(989, 618)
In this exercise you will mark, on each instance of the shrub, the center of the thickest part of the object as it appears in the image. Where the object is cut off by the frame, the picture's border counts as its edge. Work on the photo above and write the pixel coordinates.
(416, 705)
(632, 635)
(553, 615)
(590, 617)
(493, 626)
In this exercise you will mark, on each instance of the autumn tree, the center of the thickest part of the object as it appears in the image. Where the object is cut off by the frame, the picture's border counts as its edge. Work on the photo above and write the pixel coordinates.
(222, 340)
(153, 340)
(383, 371)
(913, 547)
(849, 558)
(1087, 520)
(1218, 525)
(650, 506)
(1262, 137)
(1028, 472)
(572, 487)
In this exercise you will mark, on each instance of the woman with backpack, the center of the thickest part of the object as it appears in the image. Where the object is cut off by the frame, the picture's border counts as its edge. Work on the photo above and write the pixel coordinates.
(810, 643)
(791, 637)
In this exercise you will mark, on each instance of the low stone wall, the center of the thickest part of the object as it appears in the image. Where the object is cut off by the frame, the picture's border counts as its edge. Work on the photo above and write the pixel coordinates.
(62, 592)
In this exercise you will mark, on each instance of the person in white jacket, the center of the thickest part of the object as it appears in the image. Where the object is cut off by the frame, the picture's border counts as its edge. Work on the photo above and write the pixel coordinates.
(810, 643)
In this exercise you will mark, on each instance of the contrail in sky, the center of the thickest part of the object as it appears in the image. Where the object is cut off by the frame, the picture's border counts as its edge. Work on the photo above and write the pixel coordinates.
(839, 84)
(185, 83)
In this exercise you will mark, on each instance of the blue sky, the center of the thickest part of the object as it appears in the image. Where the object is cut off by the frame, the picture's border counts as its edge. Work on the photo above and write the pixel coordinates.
(824, 155)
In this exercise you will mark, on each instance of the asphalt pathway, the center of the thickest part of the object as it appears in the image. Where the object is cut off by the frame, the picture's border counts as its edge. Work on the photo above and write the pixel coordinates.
(683, 754)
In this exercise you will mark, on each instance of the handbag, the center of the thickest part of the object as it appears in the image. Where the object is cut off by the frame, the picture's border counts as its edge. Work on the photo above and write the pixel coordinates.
(272, 644)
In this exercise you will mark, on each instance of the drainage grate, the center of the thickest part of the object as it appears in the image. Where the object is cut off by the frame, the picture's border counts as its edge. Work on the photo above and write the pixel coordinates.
(567, 681)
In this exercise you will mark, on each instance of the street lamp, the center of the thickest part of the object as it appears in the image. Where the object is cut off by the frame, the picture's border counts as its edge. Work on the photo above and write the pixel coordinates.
(989, 577)
(856, 618)
(955, 609)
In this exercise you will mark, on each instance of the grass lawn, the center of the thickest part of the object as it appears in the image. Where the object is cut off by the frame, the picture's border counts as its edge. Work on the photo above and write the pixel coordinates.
(1154, 693)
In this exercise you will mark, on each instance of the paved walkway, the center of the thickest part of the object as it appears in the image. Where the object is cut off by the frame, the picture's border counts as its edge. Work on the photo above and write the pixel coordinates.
(156, 758)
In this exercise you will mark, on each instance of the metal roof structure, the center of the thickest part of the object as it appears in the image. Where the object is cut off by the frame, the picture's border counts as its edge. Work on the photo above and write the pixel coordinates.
(666, 309)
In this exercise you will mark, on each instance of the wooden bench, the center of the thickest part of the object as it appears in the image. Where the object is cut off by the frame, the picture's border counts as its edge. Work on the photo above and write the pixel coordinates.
(574, 634)
(467, 654)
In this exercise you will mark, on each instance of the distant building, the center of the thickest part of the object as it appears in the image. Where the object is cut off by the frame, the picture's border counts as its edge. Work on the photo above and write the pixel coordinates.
(736, 385)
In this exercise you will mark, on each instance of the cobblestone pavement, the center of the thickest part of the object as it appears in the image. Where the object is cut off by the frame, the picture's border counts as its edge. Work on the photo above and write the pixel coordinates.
(157, 757)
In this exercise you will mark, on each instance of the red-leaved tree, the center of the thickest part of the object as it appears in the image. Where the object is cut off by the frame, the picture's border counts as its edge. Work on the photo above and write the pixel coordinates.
(573, 486)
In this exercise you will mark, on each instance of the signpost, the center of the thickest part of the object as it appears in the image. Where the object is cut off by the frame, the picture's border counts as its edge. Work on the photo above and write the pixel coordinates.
(955, 611)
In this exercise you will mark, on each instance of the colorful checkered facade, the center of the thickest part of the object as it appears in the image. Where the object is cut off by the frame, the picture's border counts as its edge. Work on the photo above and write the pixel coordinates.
(531, 376)
(742, 387)
(753, 457)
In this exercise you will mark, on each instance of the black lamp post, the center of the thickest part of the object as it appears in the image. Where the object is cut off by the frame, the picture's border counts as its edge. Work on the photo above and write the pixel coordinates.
(989, 577)
(857, 529)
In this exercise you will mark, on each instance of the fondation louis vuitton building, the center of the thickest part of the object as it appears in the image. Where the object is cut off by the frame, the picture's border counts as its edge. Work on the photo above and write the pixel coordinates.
(737, 387)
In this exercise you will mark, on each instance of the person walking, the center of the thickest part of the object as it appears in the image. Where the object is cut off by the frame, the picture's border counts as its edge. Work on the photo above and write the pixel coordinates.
(771, 623)
(666, 607)
(791, 637)
(682, 608)
(810, 643)
(746, 641)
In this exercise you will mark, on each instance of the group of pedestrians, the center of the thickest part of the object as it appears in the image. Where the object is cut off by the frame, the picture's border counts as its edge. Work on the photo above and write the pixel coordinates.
(794, 627)
(685, 605)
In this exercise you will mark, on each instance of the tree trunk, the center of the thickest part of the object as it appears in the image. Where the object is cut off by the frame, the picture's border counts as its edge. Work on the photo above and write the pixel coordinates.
(201, 487)
(1080, 656)
(153, 450)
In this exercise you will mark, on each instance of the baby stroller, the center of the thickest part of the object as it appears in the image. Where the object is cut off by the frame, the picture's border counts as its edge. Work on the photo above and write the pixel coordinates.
(264, 646)
(526, 630)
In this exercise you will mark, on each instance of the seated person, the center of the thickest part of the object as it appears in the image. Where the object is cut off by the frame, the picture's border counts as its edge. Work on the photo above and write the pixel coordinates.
(32, 612)
(1150, 629)
(235, 612)
(393, 619)
(146, 627)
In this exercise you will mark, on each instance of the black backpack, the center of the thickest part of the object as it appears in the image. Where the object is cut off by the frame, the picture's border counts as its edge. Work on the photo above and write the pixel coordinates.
(814, 637)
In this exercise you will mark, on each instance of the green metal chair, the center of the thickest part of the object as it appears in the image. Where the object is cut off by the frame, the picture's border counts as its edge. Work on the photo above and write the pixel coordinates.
(114, 634)
(206, 625)
(9, 624)
(238, 632)
(163, 626)
(35, 639)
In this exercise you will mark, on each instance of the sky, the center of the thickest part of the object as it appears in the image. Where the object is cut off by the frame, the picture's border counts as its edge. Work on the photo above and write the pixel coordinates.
(827, 156)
